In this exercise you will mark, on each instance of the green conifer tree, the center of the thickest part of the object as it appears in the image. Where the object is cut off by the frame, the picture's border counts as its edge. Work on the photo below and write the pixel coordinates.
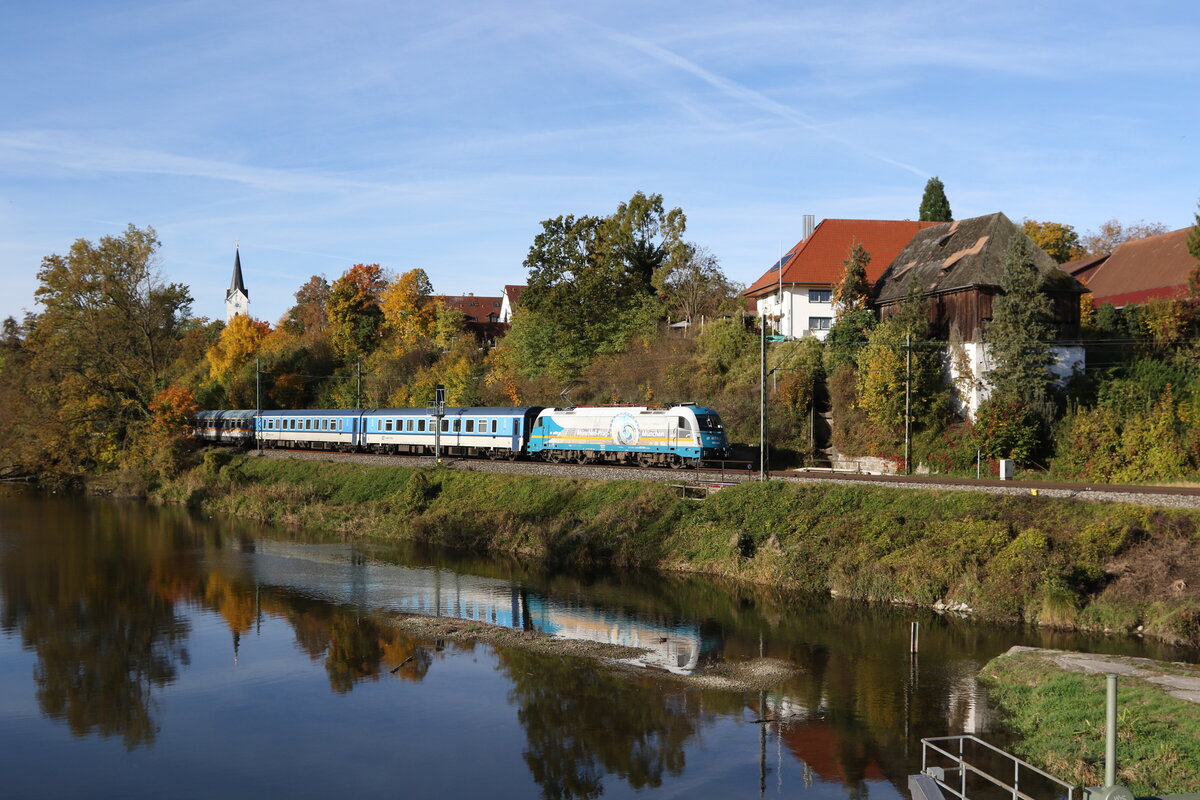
(853, 292)
(934, 205)
(1019, 333)
(1193, 246)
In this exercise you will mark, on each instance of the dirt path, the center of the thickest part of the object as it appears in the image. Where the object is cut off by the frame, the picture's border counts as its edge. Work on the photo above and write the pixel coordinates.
(1177, 679)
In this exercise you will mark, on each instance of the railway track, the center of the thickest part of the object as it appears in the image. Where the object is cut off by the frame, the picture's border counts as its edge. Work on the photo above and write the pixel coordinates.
(713, 473)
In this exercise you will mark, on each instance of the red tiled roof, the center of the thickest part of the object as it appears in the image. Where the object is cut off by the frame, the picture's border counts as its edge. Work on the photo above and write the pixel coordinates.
(818, 259)
(1133, 298)
(514, 293)
(1157, 266)
(475, 308)
(1084, 268)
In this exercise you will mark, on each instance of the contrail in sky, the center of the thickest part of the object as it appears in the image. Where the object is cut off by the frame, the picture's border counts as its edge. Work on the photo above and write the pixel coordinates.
(750, 97)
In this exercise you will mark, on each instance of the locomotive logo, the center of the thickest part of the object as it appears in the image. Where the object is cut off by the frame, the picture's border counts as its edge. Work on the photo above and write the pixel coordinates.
(624, 430)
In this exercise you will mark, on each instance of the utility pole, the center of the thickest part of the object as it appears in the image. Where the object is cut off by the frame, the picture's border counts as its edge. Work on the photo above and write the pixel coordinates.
(257, 396)
(439, 411)
(907, 404)
(762, 400)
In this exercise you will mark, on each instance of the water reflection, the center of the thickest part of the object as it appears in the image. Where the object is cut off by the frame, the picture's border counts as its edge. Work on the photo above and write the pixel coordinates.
(101, 613)
(107, 597)
(582, 723)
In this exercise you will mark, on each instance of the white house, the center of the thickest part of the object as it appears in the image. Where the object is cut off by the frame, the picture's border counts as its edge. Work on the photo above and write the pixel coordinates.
(508, 302)
(797, 292)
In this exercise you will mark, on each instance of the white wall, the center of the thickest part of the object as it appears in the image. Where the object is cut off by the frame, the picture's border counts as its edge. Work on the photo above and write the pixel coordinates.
(966, 364)
(797, 310)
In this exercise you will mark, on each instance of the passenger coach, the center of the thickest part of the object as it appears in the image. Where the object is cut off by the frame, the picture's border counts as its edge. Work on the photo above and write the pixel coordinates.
(491, 432)
(224, 427)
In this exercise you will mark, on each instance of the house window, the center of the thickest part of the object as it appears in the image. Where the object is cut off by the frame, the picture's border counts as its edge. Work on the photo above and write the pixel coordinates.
(819, 323)
(819, 295)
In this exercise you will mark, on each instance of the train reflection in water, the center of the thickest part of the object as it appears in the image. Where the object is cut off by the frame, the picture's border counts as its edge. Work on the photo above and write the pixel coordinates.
(341, 574)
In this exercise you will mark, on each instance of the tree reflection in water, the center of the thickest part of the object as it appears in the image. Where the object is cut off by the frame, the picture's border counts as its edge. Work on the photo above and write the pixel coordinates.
(582, 722)
(93, 609)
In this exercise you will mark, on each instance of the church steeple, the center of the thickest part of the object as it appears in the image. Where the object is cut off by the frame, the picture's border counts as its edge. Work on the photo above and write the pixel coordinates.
(237, 299)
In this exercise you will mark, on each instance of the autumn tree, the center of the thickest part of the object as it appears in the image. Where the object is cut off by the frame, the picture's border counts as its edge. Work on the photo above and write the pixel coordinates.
(1110, 234)
(591, 285)
(1060, 241)
(449, 325)
(896, 353)
(408, 308)
(697, 287)
(934, 205)
(1018, 334)
(236, 346)
(1193, 246)
(355, 316)
(106, 338)
(648, 238)
(853, 291)
(308, 317)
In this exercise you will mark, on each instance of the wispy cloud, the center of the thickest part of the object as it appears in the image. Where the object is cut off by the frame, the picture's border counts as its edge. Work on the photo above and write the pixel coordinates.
(751, 98)
(72, 152)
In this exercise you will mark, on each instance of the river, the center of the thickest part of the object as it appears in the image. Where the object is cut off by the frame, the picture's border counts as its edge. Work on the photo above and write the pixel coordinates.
(146, 652)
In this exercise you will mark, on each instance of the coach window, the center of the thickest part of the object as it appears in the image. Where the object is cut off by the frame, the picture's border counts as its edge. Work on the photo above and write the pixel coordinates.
(494, 426)
(457, 425)
(470, 426)
(445, 425)
(683, 424)
(388, 425)
(420, 426)
(408, 425)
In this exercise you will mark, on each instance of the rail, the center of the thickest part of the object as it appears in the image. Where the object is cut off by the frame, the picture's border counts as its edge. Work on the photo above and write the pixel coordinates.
(726, 467)
(963, 769)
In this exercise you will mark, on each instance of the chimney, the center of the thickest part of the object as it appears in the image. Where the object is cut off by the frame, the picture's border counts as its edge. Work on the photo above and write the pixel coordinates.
(809, 224)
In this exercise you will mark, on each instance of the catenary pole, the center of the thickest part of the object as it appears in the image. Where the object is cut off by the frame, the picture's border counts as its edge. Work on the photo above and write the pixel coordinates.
(907, 404)
(762, 400)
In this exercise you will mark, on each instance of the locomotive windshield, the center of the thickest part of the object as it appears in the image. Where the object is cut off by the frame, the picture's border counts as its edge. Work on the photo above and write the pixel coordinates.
(709, 422)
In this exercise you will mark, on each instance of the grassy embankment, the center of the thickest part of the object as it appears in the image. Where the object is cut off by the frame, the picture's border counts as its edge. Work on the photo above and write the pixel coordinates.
(1058, 716)
(1063, 563)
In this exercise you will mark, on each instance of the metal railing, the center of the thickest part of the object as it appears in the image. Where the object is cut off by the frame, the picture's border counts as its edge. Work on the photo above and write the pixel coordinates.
(963, 768)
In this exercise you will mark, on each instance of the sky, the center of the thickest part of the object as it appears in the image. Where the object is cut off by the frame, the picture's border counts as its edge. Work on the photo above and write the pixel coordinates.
(439, 135)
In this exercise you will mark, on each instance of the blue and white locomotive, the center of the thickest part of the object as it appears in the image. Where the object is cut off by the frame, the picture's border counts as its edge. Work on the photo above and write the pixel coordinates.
(679, 435)
(676, 436)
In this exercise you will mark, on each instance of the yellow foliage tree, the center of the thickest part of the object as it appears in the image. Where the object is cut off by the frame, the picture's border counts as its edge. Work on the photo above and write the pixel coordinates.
(237, 344)
(1060, 241)
(408, 309)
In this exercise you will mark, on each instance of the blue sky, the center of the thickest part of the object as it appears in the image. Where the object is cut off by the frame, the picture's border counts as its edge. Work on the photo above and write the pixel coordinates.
(440, 135)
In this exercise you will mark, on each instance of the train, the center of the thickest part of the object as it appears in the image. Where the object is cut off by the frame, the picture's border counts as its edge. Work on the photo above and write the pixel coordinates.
(678, 435)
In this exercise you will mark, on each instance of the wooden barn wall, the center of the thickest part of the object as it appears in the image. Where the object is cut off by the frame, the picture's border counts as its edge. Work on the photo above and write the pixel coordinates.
(968, 311)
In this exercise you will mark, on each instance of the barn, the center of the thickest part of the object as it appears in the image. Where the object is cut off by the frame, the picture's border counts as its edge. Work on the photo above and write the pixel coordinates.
(958, 268)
